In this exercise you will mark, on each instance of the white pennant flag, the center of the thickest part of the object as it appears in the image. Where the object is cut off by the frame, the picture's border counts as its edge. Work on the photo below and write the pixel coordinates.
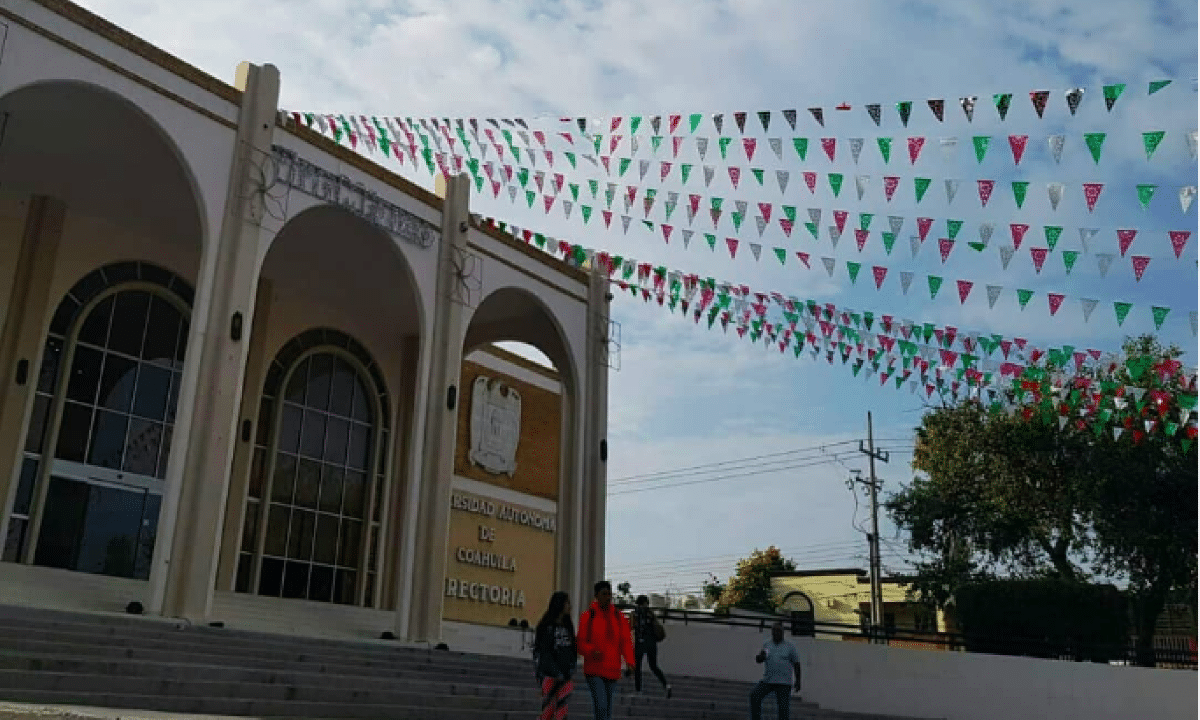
(776, 146)
(512, 193)
(949, 145)
(1006, 255)
(1105, 261)
(906, 278)
(834, 235)
(1055, 190)
(633, 146)
(951, 190)
(1186, 196)
(860, 181)
(756, 249)
(691, 213)
(709, 173)
(916, 245)
(1191, 141)
(1057, 143)
(687, 237)
(830, 264)
(742, 206)
(985, 232)
(856, 146)
(896, 223)
(644, 167)
(702, 147)
(782, 176)
(1085, 236)
(567, 205)
(814, 214)
(524, 137)
(1088, 306)
(762, 225)
(628, 202)
(625, 220)
(1192, 318)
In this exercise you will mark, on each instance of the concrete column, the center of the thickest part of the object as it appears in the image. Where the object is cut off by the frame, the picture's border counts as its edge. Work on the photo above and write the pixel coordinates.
(596, 438)
(441, 412)
(184, 567)
(22, 336)
(568, 551)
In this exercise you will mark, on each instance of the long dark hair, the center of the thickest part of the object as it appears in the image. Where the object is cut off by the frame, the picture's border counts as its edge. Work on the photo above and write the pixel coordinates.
(558, 601)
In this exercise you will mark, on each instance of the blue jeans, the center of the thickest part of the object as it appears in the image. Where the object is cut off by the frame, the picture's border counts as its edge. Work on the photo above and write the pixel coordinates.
(602, 696)
(783, 698)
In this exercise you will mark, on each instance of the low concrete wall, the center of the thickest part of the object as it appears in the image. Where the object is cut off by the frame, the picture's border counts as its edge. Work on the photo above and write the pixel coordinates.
(857, 677)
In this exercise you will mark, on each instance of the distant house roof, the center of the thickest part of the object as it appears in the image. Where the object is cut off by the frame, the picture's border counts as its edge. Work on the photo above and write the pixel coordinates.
(817, 573)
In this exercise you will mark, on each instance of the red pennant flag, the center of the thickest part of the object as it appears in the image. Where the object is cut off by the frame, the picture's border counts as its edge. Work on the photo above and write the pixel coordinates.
(558, 182)
(829, 145)
(1179, 239)
(540, 137)
(549, 200)
(860, 236)
(631, 193)
(1091, 193)
(735, 175)
(1125, 239)
(496, 188)
(508, 170)
(914, 148)
(733, 246)
(695, 203)
(804, 258)
(1006, 346)
(764, 208)
(749, 144)
(810, 179)
(945, 245)
(786, 225)
(985, 191)
(923, 225)
(666, 230)
(1018, 234)
(1039, 257)
(1021, 345)
(665, 170)
(1140, 263)
(607, 218)
(565, 136)
(604, 162)
(1039, 98)
(880, 275)
(528, 235)
(676, 144)
(675, 123)
(964, 289)
(1018, 143)
(839, 219)
(1056, 302)
(890, 184)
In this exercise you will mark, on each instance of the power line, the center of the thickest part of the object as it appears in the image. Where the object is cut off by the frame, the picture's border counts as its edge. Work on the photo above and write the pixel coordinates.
(719, 478)
(704, 466)
(733, 556)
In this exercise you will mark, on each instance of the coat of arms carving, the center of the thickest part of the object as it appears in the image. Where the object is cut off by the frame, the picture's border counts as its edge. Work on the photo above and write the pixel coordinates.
(495, 426)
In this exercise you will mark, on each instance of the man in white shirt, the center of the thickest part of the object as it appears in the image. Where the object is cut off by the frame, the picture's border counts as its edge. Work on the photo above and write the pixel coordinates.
(781, 659)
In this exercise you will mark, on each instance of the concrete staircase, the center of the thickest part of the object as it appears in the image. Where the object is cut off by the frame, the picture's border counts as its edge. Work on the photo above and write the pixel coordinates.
(57, 658)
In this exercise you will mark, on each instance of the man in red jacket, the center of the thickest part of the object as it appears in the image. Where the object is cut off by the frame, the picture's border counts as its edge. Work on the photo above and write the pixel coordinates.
(604, 641)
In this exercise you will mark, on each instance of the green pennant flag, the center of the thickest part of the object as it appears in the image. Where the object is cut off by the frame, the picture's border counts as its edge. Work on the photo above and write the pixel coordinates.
(953, 227)
(935, 284)
(1151, 141)
(1145, 193)
(981, 146)
(789, 211)
(781, 253)
(587, 213)
(1003, 102)
(540, 240)
(570, 158)
(868, 319)
(723, 143)
(530, 196)
(596, 141)
(656, 142)
(523, 176)
(625, 163)
(977, 246)
(856, 368)
(1122, 309)
(634, 123)
(864, 220)
(885, 149)
(1023, 297)
(516, 153)
(835, 183)
(478, 183)
(610, 193)
(737, 219)
(712, 241)
(922, 185)
(1095, 143)
(473, 164)
(695, 120)
(716, 203)
(649, 225)
(686, 171)
(853, 267)
(1053, 233)
(1156, 85)
(594, 186)
(758, 174)
(1160, 314)
(1111, 93)
(813, 230)
(578, 254)
(889, 241)
(1019, 189)
(574, 188)
(905, 110)
(801, 145)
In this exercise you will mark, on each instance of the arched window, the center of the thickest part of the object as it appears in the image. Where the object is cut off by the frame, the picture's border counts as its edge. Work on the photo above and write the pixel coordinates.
(99, 435)
(319, 471)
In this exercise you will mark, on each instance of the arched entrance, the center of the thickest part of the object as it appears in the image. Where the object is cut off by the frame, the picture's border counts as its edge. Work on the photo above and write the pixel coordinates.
(799, 607)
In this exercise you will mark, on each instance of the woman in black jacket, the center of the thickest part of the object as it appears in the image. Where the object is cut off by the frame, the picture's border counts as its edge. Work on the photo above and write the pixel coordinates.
(645, 642)
(555, 656)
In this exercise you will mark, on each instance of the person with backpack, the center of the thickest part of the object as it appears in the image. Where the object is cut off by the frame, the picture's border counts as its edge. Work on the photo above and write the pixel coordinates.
(648, 632)
(555, 656)
(604, 642)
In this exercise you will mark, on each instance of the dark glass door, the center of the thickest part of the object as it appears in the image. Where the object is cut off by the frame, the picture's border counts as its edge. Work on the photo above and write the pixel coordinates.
(98, 528)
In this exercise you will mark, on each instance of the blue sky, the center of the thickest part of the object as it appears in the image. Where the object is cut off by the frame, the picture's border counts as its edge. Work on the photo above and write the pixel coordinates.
(685, 395)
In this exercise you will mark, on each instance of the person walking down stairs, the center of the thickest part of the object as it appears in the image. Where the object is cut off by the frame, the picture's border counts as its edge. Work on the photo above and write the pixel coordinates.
(781, 659)
(555, 656)
(648, 632)
(604, 642)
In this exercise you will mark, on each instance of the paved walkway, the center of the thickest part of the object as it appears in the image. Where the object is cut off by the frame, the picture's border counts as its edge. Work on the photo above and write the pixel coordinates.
(16, 711)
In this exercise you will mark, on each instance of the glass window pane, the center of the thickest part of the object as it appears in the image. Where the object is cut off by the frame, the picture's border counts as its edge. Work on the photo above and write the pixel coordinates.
(331, 488)
(369, 590)
(94, 330)
(312, 436)
(270, 579)
(344, 587)
(308, 484)
(48, 374)
(297, 383)
(283, 485)
(35, 436)
(141, 447)
(117, 383)
(250, 527)
(348, 543)
(277, 527)
(63, 524)
(107, 447)
(29, 472)
(245, 571)
(129, 322)
(289, 430)
(85, 375)
(258, 472)
(153, 392)
(162, 332)
(164, 451)
(320, 586)
(360, 446)
(300, 539)
(73, 432)
(337, 439)
(319, 377)
(341, 395)
(362, 408)
(355, 494)
(325, 546)
(295, 580)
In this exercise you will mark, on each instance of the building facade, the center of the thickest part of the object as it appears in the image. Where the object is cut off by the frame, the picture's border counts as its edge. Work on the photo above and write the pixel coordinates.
(842, 596)
(232, 360)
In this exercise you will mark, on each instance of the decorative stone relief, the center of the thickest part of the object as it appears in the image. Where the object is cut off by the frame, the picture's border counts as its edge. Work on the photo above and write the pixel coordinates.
(495, 426)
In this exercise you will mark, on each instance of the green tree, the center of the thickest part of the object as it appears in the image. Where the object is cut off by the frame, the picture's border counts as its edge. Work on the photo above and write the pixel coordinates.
(750, 587)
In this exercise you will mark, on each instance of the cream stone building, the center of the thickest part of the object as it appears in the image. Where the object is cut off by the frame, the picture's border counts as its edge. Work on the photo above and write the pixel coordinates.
(232, 360)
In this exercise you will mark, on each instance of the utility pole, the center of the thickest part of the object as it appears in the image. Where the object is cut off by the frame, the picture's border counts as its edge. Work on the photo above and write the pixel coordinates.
(876, 564)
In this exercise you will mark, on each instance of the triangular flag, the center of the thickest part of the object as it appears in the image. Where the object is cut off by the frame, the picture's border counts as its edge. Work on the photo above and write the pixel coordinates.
(1156, 85)
(1057, 143)
(1122, 311)
(968, 106)
(906, 279)
(829, 145)
(890, 183)
(764, 118)
(860, 183)
(1192, 316)
(782, 177)
(1186, 196)
(856, 146)
(1055, 191)
(835, 183)
(1140, 263)
(790, 116)
(945, 246)
(923, 226)
(914, 148)
(732, 243)
(1091, 193)
(880, 273)
(1039, 98)
(889, 240)
(1088, 306)
(964, 289)
(1019, 189)
(949, 145)
(1179, 239)
(756, 250)
(1039, 257)
(1160, 314)
(935, 285)
(985, 232)
(953, 227)
(804, 258)
(985, 191)
(1125, 238)
(776, 146)
(1095, 143)
(749, 145)
(921, 185)
(1003, 103)
(1053, 233)
(687, 237)
(939, 108)
(1006, 255)
(916, 245)
(1111, 93)
(1023, 297)
(801, 145)
(895, 223)
(1069, 257)
(818, 115)
(1151, 141)
(830, 265)
(1145, 194)
(875, 112)
(860, 237)
(1018, 143)
(1018, 233)
(1191, 142)
(781, 253)
(853, 268)
(1056, 301)
(905, 110)
(993, 293)
(981, 143)
(1074, 98)
(885, 149)
(1104, 262)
